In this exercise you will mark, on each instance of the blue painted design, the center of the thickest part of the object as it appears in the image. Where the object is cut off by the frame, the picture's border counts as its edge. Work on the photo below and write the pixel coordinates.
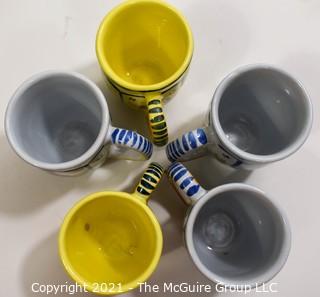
(132, 140)
(121, 135)
(202, 137)
(172, 166)
(114, 135)
(174, 148)
(185, 143)
(179, 174)
(128, 137)
(192, 140)
(188, 142)
(227, 155)
(135, 137)
(175, 170)
(145, 145)
(140, 141)
(193, 190)
(172, 154)
(179, 147)
(150, 148)
(237, 164)
(184, 181)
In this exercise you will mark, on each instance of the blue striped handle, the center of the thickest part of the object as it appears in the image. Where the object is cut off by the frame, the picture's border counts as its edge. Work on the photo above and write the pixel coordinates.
(140, 148)
(186, 185)
(190, 146)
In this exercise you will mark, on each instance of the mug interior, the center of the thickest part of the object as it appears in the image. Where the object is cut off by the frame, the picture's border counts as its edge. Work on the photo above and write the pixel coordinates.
(256, 237)
(110, 238)
(263, 111)
(144, 43)
(54, 118)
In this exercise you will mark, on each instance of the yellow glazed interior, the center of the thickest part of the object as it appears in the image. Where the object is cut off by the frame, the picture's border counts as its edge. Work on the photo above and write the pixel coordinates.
(110, 237)
(144, 44)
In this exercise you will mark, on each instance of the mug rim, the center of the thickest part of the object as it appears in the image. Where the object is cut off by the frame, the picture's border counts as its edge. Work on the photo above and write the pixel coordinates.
(273, 270)
(96, 145)
(250, 157)
(123, 195)
(109, 72)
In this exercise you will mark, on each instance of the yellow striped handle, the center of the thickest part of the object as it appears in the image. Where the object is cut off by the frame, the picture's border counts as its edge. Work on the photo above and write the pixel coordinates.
(157, 121)
(149, 181)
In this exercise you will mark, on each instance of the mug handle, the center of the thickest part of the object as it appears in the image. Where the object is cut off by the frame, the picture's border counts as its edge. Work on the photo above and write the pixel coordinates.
(186, 185)
(156, 120)
(190, 145)
(148, 182)
(129, 145)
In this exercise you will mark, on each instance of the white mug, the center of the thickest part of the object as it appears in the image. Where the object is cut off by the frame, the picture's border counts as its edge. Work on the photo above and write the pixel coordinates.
(59, 121)
(258, 114)
(235, 233)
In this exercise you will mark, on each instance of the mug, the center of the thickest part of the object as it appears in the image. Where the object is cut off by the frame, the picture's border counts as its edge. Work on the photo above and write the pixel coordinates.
(59, 121)
(258, 114)
(109, 242)
(235, 234)
(144, 48)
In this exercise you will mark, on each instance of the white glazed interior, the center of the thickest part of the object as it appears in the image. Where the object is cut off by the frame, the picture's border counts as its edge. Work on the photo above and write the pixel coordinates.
(50, 100)
(300, 98)
(254, 278)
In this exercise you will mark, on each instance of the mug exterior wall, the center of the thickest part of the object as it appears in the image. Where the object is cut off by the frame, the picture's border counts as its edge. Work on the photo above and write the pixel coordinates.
(97, 161)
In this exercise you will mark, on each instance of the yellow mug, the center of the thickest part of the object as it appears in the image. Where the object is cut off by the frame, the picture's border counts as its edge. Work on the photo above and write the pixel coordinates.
(110, 242)
(144, 48)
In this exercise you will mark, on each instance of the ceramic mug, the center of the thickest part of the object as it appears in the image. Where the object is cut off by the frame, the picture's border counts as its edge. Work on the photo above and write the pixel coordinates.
(235, 234)
(259, 114)
(110, 242)
(144, 48)
(59, 121)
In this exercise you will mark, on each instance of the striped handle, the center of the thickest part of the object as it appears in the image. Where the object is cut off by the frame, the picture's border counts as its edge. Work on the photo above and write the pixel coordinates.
(190, 145)
(129, 145)
(157, 122)
(185, 184)
(149, 181)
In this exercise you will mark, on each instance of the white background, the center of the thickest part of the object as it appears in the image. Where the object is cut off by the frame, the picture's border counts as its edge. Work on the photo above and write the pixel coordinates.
(37, 35)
